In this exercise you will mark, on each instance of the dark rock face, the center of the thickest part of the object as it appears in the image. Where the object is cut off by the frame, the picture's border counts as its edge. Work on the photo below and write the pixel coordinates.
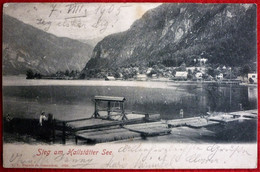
(223, 33)
(26, 47)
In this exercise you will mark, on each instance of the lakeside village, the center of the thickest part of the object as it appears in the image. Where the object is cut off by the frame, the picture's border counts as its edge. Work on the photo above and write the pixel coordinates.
(200, 70)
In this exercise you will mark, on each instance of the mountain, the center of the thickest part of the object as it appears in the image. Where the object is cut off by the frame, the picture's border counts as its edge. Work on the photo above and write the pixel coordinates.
(175, 33)
(26, 47)
(93, 42)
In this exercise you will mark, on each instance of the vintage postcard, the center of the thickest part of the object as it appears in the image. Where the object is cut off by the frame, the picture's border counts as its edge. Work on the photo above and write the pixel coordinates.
(129, 85)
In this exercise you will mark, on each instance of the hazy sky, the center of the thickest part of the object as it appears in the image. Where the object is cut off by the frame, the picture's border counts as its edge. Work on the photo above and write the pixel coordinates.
(79, 20)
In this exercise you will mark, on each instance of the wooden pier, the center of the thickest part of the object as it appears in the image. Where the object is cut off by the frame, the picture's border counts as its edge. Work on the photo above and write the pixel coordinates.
(246, 114)
(100, 127)
(105, 135)
(149, 129)
(213, 119)
(128, 131)
(74, 127)
(110, 122)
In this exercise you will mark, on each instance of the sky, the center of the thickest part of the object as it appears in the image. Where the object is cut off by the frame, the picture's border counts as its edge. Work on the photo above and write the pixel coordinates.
(79, 20)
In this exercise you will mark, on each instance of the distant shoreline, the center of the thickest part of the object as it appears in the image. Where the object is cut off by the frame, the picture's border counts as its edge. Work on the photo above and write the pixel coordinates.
(153, 83)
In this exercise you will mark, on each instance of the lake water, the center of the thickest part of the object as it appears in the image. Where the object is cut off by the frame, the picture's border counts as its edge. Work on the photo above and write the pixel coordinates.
(73, 99)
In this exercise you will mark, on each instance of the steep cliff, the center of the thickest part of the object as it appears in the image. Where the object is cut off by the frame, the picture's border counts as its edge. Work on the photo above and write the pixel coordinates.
(176, 33)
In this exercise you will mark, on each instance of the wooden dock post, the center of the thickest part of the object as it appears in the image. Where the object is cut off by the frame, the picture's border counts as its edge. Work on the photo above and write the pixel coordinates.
(95, 115)
(240, 106)
(53, 130)
(76, 139)
(123, 112)
(146, 117)
(181, 113)
(108, 109)
(63, 132)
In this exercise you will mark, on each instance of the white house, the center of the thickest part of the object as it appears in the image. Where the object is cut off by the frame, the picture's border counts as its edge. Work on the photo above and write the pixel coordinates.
(110, 78)
(181, 75)
(154, 75)
(149, 70)
(141, 77)
(253, 77)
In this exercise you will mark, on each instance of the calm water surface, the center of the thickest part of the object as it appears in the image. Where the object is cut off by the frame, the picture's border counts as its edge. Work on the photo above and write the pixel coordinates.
(72, 101)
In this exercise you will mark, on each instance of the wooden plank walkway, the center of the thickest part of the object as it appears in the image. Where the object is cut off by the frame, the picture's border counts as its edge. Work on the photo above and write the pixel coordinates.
(202, 122)
(198, 122)
(126, 132)
(93, 123)
(234, 116)
(253, 111)
(181, 122)
(98, 123)
(101, 129)
(194, 122)
(246, 114)
(149, 129)
(71, 127)
(108, 135)
(223, 118)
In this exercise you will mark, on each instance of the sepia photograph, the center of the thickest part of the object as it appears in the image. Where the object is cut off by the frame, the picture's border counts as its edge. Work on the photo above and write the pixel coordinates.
(133, 77)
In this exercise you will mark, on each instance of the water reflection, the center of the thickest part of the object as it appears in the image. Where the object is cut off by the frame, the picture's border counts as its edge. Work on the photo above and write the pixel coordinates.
(252, 94)
(193, 99)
